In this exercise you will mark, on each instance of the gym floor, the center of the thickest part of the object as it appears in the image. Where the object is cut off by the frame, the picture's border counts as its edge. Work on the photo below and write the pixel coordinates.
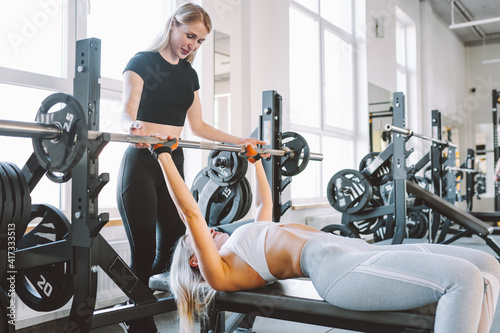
(167, 323)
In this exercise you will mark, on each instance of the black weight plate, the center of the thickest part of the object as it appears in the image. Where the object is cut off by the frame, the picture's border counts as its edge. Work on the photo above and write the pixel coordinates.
(226, 167)
(224, 205)
(342, 230)
(26, 201)
(49, 287)
(6, 315)
(205, 198)
(415, 225)
(8, 207)
(292, 166)
(246, 202)
(64, 153)
(17, 198)
(2, 205)
(348, 191)
(199, 183)
(382, 174)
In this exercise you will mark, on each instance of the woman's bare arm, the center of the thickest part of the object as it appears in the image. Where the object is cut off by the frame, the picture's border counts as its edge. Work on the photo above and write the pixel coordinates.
(263, 196)
(205, 131)
(213, 268)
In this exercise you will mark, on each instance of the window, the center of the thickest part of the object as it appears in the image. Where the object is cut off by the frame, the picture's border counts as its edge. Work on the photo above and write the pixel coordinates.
(132, 28)
(322, 89)
(406, 62)
(33, 36)
(37, 60)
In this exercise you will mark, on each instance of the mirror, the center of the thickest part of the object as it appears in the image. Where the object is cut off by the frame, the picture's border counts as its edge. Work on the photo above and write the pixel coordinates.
(380, 111)
(222, 86)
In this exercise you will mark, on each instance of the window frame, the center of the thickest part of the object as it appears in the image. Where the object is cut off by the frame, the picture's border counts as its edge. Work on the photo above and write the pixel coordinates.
(75, 15)
(324, 129)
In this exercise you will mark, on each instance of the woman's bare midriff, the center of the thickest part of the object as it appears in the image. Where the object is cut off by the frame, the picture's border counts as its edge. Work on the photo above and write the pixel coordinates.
(284, 243)
(153, 128)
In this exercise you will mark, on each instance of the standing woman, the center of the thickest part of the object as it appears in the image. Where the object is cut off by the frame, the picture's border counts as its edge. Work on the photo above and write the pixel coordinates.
(160, 90)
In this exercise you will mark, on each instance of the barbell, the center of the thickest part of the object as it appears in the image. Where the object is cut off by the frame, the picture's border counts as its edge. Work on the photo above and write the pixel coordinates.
(60, 137)
(408, 132)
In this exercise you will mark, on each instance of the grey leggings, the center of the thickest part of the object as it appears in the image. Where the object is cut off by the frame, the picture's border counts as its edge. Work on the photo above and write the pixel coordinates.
(355, 275)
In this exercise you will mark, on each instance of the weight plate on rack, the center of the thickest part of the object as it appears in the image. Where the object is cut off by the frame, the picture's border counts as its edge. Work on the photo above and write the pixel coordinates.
(7, 207)
(64, 153)
(5, 314)
(25, 201)
(349, 191)
(49, 287)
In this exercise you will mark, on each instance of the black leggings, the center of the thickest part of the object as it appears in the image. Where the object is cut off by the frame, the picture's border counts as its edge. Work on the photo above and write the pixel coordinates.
(149, 215)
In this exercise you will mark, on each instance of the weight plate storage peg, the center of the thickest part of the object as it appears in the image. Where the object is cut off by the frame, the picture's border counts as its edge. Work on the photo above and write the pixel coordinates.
(49, 287)
(293, 165)
(62, 153)
(226, 167)
(348, 191)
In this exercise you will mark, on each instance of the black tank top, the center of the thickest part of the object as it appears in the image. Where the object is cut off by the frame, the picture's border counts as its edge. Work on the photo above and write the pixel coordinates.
(168, 89)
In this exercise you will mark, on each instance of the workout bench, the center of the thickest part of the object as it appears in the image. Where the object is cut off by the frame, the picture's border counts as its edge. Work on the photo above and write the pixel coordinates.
(297, 300)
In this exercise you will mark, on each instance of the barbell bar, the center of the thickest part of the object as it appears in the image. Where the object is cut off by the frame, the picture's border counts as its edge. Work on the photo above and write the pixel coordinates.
(53, 132)
(450, 168)
(409, 132)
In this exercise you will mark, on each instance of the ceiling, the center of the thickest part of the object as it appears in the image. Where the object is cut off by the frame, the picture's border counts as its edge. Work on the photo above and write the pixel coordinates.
(471, 10)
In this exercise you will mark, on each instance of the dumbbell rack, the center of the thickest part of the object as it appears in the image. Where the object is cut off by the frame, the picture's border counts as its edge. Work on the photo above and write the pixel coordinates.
(86, 249)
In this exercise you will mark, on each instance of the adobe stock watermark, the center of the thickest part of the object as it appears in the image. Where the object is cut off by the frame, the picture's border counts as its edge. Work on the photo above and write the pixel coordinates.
(483, 90)
(222, 7)
(32, 25)
(11, 274)
(387, 16)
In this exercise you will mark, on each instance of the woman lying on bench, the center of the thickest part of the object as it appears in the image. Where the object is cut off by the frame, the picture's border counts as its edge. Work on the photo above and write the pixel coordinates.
(346, 272)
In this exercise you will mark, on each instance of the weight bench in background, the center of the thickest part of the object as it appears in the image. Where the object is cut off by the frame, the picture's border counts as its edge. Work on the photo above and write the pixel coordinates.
(297, 300)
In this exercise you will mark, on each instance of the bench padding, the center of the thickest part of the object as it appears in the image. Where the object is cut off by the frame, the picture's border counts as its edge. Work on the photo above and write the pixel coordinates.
(297, 300)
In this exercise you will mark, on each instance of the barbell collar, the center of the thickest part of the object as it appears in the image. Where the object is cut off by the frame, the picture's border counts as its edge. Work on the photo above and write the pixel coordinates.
(53, 132)
(408, 132)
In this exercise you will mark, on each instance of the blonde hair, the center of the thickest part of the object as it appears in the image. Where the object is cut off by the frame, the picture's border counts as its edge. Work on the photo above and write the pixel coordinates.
(187, 13)
(192, 294)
